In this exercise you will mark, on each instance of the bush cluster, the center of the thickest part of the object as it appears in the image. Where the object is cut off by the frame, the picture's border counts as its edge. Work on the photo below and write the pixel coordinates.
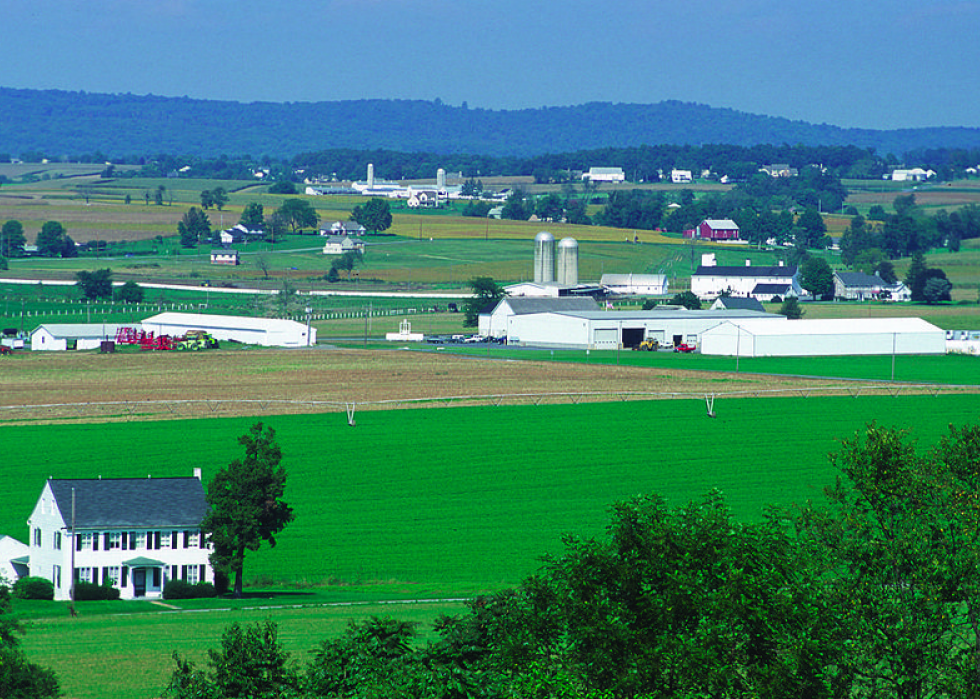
(33, 587)
(85, 591)
(181, 589)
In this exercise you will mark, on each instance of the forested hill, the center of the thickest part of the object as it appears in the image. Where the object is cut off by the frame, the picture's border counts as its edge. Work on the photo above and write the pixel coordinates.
(56, 123)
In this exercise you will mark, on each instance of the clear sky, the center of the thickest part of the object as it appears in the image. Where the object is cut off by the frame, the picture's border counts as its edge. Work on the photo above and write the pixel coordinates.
(865, 63)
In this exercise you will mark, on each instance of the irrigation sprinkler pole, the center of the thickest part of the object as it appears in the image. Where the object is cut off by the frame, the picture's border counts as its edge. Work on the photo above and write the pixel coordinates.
(893, 355)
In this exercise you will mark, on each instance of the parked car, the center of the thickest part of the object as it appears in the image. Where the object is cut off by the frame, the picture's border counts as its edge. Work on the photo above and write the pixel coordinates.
(684, 347)
(435, 340)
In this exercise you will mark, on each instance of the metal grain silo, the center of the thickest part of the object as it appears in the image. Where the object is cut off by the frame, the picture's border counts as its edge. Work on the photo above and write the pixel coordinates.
(568, 262)
(544, 258)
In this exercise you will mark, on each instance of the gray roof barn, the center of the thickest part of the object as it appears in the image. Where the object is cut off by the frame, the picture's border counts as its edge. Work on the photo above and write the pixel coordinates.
(131, 502)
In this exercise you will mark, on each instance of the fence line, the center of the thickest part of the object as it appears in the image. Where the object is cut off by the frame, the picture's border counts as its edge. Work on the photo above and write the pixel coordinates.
(212, 406)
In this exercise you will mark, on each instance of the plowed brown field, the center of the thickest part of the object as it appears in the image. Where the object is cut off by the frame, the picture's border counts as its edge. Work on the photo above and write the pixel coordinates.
(60, 386)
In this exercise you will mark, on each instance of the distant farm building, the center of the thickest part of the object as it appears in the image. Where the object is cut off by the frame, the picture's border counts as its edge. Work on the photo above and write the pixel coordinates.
(343, 228)
(494, 322)
(598, 329)
(710, 280)
(635, 284)
(604, 174)
(339, 244)
(71, 336)
(224, 257)
(914, 175)
(804, 338)
(268, 332)
(714, 229)
(736, 303)
(681, 176)
(857, 286)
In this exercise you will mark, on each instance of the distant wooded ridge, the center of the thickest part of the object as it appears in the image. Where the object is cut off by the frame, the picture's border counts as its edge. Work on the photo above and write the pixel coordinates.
(59, 123)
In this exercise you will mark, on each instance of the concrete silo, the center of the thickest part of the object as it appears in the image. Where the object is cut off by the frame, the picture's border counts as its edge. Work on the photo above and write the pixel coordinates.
(544, 258)
(568, 262)
(370, 175)
(440, 179)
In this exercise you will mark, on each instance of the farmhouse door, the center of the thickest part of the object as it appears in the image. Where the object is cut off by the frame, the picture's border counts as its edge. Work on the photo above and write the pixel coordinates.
(139, 582)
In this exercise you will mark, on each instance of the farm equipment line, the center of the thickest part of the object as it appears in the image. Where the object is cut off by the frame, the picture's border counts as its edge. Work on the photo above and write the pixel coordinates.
(212, 406)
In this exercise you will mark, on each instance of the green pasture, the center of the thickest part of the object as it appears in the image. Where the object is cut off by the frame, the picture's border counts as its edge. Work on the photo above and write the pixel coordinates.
(431, 504)
(129, 655)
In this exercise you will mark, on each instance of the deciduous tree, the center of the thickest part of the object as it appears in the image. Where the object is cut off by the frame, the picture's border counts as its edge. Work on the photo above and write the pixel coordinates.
(486, 292)
(12, 239)
(375, 215)
(817, 277)
(52, 240)
(298, 214)
(95, 285)
(246, 505)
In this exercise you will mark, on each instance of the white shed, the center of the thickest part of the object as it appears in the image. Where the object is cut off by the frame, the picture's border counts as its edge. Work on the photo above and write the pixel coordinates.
(268, 332)
(77, 336)
(805, 338)
(645, 284)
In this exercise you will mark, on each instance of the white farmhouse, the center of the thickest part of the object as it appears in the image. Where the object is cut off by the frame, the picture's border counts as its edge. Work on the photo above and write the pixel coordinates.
(681, 176)
(339, 244)
(764, 283)
(132, 533)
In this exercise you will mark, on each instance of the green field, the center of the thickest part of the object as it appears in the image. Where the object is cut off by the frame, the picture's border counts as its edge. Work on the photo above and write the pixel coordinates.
(428, 503)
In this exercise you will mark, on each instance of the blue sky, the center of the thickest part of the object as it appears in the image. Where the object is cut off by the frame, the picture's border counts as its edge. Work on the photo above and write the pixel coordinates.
(873, 64)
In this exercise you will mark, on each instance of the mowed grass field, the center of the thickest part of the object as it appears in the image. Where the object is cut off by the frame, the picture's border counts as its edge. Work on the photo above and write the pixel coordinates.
(439, 503)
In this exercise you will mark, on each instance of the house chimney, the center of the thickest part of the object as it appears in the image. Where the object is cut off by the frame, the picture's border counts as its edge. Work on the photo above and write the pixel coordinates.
(748, 263)
(782, 264)
(197, 473)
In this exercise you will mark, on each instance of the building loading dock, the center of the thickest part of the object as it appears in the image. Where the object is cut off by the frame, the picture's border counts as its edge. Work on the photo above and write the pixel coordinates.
(614, 329)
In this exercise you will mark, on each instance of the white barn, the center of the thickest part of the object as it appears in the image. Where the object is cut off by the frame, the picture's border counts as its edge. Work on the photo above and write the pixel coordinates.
(494, 323)
(806, 338)
(613, 329)
(268, 332)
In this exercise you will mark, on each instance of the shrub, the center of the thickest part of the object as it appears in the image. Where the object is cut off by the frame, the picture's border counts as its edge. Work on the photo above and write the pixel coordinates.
(34, 588)
(90, 591)
(181, 589)
(222, 582)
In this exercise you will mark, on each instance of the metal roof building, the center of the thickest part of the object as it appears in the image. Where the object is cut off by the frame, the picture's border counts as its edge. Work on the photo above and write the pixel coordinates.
(597, 329)
(805, 338)
(268, 332)
(78, 336)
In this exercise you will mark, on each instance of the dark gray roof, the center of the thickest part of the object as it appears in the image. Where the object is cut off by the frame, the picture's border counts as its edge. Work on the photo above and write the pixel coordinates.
(537, 304)
(860, 279)
(745, 271)
(771, 288)
(681, 314)
(144, 503)
(738, 303)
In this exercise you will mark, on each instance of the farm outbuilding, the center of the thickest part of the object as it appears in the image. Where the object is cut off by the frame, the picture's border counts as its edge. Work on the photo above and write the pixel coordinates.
(805, 338)
(75, 336)
(612, 329)
(268, 332)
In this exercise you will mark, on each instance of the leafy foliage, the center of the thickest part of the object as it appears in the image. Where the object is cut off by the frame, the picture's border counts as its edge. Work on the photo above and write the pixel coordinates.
(687, 299)
(53, 241)
(194, 227)
(95, 285)
(246, 503)
(19, 678)
(298, 214)
(375, 215)
(34, 587)
(791, 308)
(130, 292)
(92, 591)
(12, 239)
(817, 277)
(486, 292)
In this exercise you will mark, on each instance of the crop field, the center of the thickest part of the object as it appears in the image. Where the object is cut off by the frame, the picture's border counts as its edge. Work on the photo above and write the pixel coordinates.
(449, 502)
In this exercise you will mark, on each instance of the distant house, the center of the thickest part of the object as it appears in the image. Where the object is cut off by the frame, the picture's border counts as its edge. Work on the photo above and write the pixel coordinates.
(224, 257)
(714, 229)
(343, 228)
(736, 303)
(239, 234)
(643, 284)
(916, 174)
(681, 176)
(424, 199)
(132, 533)
(604, 174)
(339, 244)
(14, 560)
(857, 286)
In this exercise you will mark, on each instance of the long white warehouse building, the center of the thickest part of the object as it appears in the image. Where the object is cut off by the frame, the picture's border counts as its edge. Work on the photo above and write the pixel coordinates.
(598, 329)
(804, 338)
(268, 332)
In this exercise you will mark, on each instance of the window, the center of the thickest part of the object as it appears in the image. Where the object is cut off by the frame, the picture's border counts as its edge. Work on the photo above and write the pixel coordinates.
(57, 540)
(83, 575)
(85, 541)
(137, 540)
(191, 540)
(111, 574)
(113, 540)
(192, 574)
(56, 576)
(37, 536)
